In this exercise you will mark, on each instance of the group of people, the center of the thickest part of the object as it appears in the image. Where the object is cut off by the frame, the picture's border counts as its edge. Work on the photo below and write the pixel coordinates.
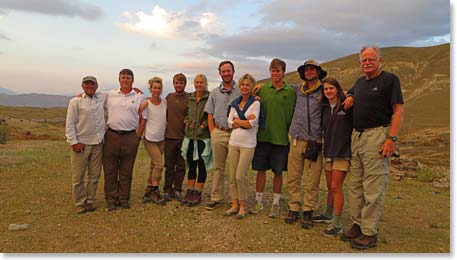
(308, 127)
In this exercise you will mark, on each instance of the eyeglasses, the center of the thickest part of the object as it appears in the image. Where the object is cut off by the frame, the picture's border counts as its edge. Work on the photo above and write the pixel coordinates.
(369, 59)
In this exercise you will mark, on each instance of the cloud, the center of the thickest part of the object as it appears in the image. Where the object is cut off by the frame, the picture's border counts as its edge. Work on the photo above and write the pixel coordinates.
(74, 8)
(4, 37)
(323, 30)
(153, 45)
(165, 24)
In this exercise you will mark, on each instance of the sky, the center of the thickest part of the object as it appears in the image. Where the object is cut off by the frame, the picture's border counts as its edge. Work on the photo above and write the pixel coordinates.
(48, 46)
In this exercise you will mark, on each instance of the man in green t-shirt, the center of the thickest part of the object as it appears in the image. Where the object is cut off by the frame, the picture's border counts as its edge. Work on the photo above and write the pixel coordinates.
(278, 102)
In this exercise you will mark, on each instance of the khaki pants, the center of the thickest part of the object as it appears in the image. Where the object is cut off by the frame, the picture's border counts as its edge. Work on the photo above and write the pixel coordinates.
(89, 160)
(219, 146)
(368, 179)
(155, 151)
(239, 160)
(296, 164)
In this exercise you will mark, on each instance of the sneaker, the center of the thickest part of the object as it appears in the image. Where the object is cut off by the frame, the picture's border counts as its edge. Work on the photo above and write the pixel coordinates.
(147, 195)
(332, 230)
(167, 196)
(352, 233)
(306, 221)
(258, 207)
(365, 242)
(111, 206)
(274, 213)
(214, 204)
(195, 199)
(90, 207)
(124, 205)
(292, 217)
(322, 219)
(80, 209)
(177, 195)
(157, 198)
(186, 198)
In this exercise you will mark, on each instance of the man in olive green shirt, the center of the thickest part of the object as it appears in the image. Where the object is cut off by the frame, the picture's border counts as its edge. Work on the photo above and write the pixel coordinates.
(278, 102)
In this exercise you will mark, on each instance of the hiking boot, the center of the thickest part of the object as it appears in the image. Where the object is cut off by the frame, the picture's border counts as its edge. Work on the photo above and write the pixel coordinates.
(90, 207)
(306, 221)
(195, 199)
(292, 217)
(352, 233)
(275, 209)
(147, 195)
(157, 198)
(365, 242)
(214, 204)
(167, 196)
(322, 219)
(186, 198)
(177, 195)
(80, 209)
(258, 207)
(332, 230)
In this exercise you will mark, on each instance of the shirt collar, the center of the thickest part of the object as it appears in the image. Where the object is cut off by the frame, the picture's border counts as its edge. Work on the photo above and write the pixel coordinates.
(130, 93)
(224, 90)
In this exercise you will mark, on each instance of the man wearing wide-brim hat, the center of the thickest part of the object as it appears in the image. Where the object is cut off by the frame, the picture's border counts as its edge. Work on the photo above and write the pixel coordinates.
(304, 130)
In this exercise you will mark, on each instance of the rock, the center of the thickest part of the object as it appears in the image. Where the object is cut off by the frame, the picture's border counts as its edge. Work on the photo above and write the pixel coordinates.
(15, 227)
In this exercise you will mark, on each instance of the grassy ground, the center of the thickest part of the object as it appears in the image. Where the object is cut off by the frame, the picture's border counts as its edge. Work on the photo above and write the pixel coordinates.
(36, 189)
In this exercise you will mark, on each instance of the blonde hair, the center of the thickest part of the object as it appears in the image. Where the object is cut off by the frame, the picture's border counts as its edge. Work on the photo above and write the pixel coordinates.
(203, 77)
(155, 80)
(249, 78)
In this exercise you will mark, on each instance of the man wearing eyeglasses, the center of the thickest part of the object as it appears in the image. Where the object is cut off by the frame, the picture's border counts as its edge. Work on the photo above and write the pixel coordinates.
(378, 113)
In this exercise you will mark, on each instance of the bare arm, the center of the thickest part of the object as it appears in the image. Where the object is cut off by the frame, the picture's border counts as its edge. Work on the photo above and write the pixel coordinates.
(388, 146)
(211, 123)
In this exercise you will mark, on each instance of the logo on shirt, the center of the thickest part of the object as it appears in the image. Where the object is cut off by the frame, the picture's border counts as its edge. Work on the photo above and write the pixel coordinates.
(133, 101)
(341, 113)
(374, 89)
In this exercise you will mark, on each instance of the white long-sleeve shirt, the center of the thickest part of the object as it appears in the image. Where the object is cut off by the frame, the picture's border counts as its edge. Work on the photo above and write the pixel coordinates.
(245, 137)
(85, 121)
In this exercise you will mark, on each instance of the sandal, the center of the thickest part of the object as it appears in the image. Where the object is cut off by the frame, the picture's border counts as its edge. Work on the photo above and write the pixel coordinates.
(230, 212)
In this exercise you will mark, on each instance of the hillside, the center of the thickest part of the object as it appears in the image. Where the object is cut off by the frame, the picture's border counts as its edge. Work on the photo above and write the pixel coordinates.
(34, 100)
(425, 78)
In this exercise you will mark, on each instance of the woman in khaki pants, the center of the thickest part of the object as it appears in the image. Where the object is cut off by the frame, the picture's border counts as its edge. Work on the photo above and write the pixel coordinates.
(243, 119)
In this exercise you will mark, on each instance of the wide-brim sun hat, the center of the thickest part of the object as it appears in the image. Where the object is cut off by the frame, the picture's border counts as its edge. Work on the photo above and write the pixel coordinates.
(301, 69)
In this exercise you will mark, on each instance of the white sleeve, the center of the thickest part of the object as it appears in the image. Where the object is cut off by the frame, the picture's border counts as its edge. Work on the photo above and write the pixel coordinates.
(72, 119)
(230, 117)
(255, 110)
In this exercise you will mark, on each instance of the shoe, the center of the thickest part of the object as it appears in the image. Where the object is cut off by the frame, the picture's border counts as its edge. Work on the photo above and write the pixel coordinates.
(80, 209)
(306, 221)
(167, 196)
(240, 216)
(186, 198)
(332, 230)
(90, 207)
(322, 219)
(258, 207)
(352, 233)
(157, 198)
(214, 204)
(124, 205)
(111, 206)
(274, 213)
(365, 242)
(177, 195)
(230, 212)
(292, 217)
(147, 195)
(195, 198)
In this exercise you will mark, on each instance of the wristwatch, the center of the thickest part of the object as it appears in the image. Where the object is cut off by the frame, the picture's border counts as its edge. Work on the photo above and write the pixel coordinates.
(393, 138)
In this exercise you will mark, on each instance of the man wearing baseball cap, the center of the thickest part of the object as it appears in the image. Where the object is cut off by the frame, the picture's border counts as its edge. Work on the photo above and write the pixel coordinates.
(85, 130)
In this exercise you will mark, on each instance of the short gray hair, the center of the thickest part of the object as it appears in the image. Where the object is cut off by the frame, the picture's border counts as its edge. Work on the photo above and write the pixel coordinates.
(374, 47)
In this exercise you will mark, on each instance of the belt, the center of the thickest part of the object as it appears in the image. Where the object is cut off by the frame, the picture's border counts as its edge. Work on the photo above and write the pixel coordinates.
(223, 128)
(369, 129)
(121, 132)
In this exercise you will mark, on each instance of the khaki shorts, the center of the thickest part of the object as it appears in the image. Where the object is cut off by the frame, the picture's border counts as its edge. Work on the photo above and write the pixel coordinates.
(336, 164)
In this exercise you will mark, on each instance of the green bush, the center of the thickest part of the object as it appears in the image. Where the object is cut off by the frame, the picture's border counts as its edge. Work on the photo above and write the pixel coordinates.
(426, 174)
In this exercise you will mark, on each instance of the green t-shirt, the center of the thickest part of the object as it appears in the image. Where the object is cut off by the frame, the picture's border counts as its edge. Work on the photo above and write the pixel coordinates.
(278, 106)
